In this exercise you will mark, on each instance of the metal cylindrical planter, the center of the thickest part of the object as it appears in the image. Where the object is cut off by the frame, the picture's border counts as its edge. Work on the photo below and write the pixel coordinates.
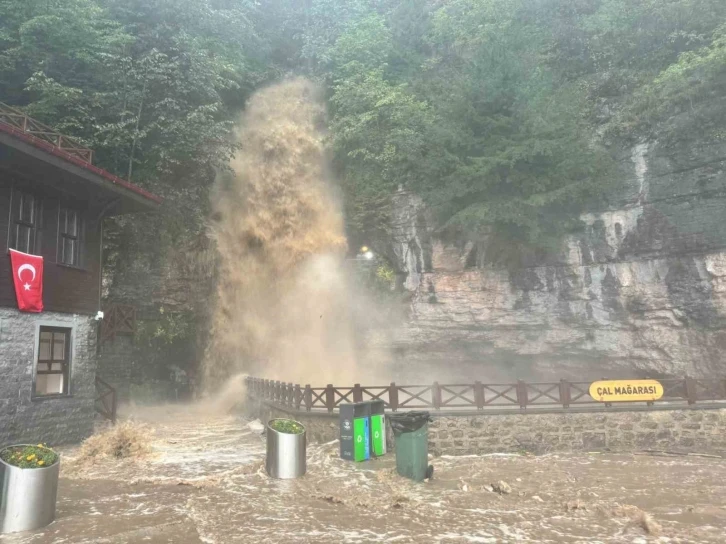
(27, 497)
(286, 453)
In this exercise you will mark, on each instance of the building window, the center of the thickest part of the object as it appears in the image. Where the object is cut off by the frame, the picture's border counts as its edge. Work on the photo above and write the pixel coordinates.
(25, 225)
(69, 239)
(52, 372)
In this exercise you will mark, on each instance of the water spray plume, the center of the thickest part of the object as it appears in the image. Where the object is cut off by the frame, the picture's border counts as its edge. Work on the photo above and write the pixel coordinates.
(282, 307)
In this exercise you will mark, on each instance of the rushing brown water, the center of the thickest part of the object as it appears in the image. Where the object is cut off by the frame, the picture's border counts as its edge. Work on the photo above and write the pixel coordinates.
(204, 482)
(282, 306)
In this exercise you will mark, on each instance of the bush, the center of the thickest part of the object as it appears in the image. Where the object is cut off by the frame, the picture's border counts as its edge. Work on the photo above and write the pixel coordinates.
(39, 456)
(287, 426)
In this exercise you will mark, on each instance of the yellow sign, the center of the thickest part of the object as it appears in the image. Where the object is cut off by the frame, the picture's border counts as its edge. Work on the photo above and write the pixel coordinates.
(626, 390)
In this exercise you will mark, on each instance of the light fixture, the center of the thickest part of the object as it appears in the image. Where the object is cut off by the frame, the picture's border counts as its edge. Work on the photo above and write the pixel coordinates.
(368, 255)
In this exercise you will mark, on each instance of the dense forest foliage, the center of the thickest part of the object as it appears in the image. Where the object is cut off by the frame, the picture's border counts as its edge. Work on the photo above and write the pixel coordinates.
(504, 115)
(498, 112)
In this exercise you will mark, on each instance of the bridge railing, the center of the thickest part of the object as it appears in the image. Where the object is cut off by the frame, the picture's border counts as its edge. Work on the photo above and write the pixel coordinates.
(474, 396)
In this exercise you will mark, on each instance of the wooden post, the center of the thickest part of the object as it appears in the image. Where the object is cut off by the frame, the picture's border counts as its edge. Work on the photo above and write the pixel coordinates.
(330, 397)
(114, 405)
(298, 396)
(290, 390)
(357, 393)
(436, 395)
(522, 394)
(691, 392)
(393, 396)
(479, 395)
(565, 396)
(308, 397)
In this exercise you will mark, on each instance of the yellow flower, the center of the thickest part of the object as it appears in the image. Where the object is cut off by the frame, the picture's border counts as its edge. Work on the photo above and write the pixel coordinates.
(30, 457)
(40, 445)
(41, 463)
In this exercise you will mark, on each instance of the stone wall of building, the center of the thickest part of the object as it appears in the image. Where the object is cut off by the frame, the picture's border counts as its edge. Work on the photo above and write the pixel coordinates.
(697, 429)
(54, 421)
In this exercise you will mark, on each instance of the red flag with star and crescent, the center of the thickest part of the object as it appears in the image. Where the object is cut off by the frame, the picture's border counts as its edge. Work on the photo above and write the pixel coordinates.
(28, 278)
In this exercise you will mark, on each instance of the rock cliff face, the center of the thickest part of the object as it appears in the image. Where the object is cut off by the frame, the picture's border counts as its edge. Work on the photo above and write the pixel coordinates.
(640, 291)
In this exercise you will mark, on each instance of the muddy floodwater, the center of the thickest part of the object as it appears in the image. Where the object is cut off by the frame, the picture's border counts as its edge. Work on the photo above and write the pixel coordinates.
(204, 482)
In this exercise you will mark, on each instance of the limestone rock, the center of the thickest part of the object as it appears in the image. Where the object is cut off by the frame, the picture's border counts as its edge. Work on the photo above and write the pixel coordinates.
(641, 290)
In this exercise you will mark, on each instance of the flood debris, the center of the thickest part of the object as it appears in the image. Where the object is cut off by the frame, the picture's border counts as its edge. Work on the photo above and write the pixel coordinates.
(256, 426)
(122, 441)
(636, 516)
(502, 487)
(649, 525)
(571, 506)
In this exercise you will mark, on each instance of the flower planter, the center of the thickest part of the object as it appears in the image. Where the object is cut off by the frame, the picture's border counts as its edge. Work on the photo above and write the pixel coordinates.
(286, 451)
(27, 496)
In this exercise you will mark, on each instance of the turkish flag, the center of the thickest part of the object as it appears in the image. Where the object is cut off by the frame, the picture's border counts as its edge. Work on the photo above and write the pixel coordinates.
(28, 278)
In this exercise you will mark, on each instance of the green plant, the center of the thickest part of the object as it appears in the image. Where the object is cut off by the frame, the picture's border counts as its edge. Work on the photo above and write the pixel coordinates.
(39, 456)
(287, 426)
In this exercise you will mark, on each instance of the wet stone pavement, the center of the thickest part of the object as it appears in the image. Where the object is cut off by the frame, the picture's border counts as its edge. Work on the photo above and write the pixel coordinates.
(205, 483)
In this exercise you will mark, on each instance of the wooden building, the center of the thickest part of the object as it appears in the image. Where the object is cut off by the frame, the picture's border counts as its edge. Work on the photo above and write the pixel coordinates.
(53, 201)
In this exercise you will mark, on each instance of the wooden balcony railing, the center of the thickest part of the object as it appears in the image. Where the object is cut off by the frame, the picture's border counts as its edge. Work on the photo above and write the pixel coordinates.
(19, 121)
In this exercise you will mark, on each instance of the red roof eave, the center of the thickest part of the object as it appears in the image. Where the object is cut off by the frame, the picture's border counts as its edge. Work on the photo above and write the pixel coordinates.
(50, 148)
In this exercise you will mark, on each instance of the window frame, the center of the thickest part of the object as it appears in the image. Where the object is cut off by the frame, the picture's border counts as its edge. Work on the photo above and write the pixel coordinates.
(54, 326)
(15, 221)
(62, 236)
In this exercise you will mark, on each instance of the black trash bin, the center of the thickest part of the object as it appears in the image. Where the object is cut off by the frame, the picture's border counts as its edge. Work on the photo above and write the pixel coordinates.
(411, 432)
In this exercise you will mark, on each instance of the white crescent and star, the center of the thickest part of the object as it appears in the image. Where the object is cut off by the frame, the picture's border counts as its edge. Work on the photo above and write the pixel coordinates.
(21, 269)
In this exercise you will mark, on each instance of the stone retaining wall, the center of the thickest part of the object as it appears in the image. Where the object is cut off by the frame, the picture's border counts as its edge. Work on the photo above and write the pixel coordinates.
(674, 430)
(698, 429)
(320, 428)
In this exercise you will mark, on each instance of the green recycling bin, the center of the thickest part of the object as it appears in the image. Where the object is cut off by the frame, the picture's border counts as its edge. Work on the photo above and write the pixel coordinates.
(378, 428)
(355, 431)
(411, 432)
